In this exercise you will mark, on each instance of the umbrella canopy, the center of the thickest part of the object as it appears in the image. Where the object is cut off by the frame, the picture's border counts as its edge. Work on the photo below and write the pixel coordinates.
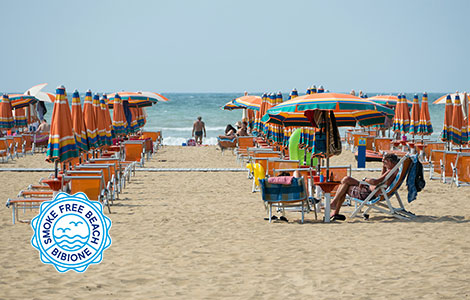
(446, 130)
(78, 123)
(119, 119)
(39, 95)
(458, 130)
(414, 116)
(107, 116)
(249, 102)
(100, 120)
(443, 99)
(20, 118)
(401, 121)
(387, 100)
(61, 145)
(230, 105)
(21, 100)
(293, 94)
(90, 122)
(331, 101)
(262, 111)
(140, 99)
(6, 114)
(424, 126)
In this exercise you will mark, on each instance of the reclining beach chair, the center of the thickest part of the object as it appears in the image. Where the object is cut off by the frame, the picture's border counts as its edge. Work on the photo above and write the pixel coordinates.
(382, 144)
(109, 176)
(93, 186)
(436, 160)
(12, 145)
(293, 196)
(4, 150)
(225, 143)
(380, 198)
(24, 203)
(243, 142)
(461, 169)
(450, 157)
(134, 151)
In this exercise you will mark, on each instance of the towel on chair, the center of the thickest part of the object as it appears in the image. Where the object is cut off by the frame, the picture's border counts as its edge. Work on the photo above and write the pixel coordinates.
(281, 180)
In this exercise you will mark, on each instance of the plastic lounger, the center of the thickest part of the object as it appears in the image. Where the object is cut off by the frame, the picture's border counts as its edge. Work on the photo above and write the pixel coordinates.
(22, 203)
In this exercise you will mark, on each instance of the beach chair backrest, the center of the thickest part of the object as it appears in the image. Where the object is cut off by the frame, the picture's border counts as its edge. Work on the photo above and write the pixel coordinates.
(263, 161)
(150, 134)
(18, 140)
(275, 154)
(29, 141)
(382, 144)
(463, 167)
(3, 147)
(281, 164)
(90, 185)
(436, 157)
(244, 142)
(429, 146)
(133, 150)
(339, 172)
(404, 167)
(106, 168)
(450, 157)
(295, 192)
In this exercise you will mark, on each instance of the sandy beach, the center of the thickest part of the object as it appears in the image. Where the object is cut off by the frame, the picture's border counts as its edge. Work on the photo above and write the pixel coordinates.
(203, 235)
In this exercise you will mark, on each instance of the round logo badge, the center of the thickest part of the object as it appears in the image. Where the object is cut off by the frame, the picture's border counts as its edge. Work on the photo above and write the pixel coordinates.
(71, 232)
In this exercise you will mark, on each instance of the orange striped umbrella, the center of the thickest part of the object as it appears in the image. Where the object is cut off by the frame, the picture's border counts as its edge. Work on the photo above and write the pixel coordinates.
(458, 131)
(134, 125)
(401, 122)
(61, 145)
(119, 119)
(141, 117)
(446, 130)
(6, 115)
(414, 116)
(100, 120)
(90, 122)
(107, 117)
(424, 127)
(20, 117)
(78, 123)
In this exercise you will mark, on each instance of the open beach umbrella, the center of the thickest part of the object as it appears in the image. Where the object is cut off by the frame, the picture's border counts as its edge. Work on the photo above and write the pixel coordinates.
(458, 130)
(401, 121)
(78, 123)
(424, 126)
(137, 99)
(293, 94)
(108, 122)
(388, 100)
(90, 121)
(100, 120)
(61, 146)
(37, 92)
(20, 117)
(414, 116)
(443, 99)
(331, 101)
(230, 106)
(119, 119)
(249, 102)
(21, 100)
(446, 129)
(6, 113)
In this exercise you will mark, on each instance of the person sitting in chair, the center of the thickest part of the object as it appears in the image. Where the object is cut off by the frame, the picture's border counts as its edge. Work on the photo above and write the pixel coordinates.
(354, 188)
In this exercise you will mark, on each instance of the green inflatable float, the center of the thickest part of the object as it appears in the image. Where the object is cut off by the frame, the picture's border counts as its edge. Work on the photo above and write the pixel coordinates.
(298, 154)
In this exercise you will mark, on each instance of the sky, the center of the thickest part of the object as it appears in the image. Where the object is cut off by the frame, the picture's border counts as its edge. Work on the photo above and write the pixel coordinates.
(235, 46)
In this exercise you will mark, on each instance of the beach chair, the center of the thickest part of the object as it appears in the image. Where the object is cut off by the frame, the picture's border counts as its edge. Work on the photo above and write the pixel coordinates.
(429, 146)
(20, 145)
(155, 136)
(134, 151)
(243, 142)
(23, 203)
(380, 198)
(436, 164)
(450, 157)
(4, 150)
(356, 137)
(109, 176)
(12, 146)
(293, 196)
(124, 169)
(461, 170)
(337, 173)
(28, 143)
(225, 143)
(281, 164)
(382, 144)
(92, 186)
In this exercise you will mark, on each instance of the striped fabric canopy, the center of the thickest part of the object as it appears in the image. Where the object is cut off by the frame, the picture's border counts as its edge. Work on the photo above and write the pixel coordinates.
(21, 100)
(107, 115)
(139, 99)
(20, 117)
(448, 113)
(424, 126)
(78, 123)
(388, 100)
(249, 102)
(61, 145)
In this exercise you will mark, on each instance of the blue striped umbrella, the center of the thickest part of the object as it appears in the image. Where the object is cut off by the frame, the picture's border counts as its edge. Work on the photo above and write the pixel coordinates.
(293, 94)
(424, 126)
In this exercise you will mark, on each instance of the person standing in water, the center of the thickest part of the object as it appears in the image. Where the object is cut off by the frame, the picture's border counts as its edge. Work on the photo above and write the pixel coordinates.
(198, 129)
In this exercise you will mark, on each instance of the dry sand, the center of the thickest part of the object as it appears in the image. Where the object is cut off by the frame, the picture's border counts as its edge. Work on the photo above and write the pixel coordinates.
(202, 235)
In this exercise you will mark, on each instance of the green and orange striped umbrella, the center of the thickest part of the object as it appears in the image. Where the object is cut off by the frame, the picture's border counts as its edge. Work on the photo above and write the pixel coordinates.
(6, 113)
(425, 126)
(20, 117)
(448, 113)
(61, 146)
(90, 121)
(414, 116)
(78, 123)
(138, 99)
(21, 100)
(100, 120)
(249, 102)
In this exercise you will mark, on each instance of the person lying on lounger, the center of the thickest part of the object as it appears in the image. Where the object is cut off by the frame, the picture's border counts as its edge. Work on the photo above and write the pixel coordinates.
(354, 188)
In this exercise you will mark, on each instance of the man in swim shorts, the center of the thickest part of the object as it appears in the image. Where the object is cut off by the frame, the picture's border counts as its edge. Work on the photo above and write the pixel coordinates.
(354, 188)
(198, 129)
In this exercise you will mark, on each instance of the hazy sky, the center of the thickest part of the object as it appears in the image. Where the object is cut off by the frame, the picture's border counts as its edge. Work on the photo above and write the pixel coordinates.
(233, 46)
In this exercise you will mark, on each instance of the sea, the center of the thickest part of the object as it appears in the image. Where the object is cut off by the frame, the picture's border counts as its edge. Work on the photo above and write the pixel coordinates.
(175, 118)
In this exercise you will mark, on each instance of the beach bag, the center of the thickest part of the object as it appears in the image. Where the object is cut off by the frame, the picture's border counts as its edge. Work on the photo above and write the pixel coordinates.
(191, 142)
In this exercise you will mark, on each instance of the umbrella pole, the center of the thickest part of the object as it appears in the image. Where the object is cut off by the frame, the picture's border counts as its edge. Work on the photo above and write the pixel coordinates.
(56, 168)
(327, 146)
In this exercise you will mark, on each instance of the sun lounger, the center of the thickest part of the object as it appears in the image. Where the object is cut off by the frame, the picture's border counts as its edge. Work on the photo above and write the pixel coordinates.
(24, 203)
(225, 143)
(109, 174)
(436, 160)
(134, 151)
(280, 196)
(4, 150)
(461, 169)
(92, 186)
(380, 198)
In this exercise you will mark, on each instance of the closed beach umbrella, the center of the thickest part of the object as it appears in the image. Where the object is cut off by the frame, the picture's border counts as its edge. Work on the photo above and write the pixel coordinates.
(100, 121)
(414, 116)
(6, 114)
(446, 130)
(401, 122)
(134, 125)
(78, 124)
(279, 99)
(20, 117)
(107, 119)
(293, 94)
(458, 131)
(119, 119)
(424, 126)
(90, 121)
(261, 113)
(61, 146)
(141, 117)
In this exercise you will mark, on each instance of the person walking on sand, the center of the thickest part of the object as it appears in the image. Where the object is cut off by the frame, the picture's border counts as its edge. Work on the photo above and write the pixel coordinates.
(198, 128)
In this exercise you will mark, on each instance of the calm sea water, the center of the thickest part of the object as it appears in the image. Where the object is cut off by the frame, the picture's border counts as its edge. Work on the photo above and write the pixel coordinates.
(175, 118)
